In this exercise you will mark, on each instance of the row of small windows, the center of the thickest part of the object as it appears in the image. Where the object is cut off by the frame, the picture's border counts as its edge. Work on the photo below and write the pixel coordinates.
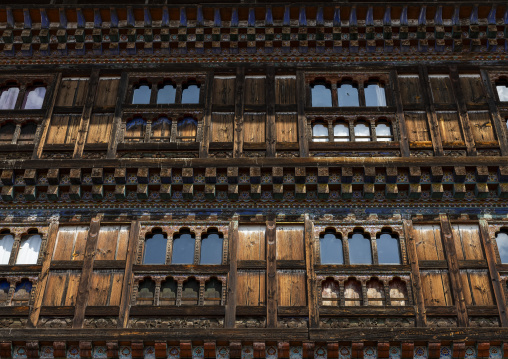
(166, 93)
(160, 129)
(348, 94)
(32, 100)
(14, 292)
(359, 248)
(359, 131)
(26, 133)
(27, 251)
(182, 248)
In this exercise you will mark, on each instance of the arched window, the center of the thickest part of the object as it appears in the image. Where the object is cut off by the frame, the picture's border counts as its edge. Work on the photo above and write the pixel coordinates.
(321, 95)
(7, 133)
(183, 248)
(330, 292)
(375, 292)
(34, 98)
(190, 292)
(330, 244)
(352, 293)
(190, 93)
(146, 292)
(359, 249)
(142, 94)
(374, 94)
(155, 248)
(8, 97)
(388, 248)
(319, 132)
(135, 130)
(362, 132)
(502, 245)
(27, 133)
(384, 131)
(348, 94)
(502, 90)
(6, 243)
(4, 290)
(187, 129)
(211, 248)
(21, 294)
(29, 249)
(213, 292)
(166, 94)
(341, 132)
(398, 292)
(168, 292)
(161, 130)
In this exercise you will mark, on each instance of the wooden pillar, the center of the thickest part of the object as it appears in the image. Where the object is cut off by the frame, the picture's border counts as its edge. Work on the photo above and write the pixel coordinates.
(463, 116)
(312, 298)
(435, 135)
(495, 115)
(84, 124)
(271, 272)
(421, 316)
(494, 274)
(197, 248)
(46, 122)
(87, 272)
(127, 277)
(271, 136)
(447, 236)
(117, 119)
(15, 136)
(302, 120)
(231, 299)
(401, 120)
(43, 277)
(207, 117)
(239, 108)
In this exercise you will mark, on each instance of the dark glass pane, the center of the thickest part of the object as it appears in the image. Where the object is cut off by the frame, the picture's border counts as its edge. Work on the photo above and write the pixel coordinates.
(7, 132)
(4, 286)
(190, 292)
(190, 94)
(388, 250)
(141, 95)
(183, 249)
(348, 95)
(213, 292)
(24, 285)
(331, 249)
(375, 95)
(166, 94)
(155, 249)
(502, 245)
(211, 249)
(321, 96)
(359, 249)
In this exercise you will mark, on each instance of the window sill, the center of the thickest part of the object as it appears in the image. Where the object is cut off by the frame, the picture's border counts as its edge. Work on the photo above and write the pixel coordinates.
(14, 310)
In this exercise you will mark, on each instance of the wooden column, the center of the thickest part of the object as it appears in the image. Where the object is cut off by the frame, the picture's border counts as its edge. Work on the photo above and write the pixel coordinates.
(435, 135)
(207, 117)
(494, 274)
(271, 136)
(401, 120)
(421, 314)
(87, 272)
(125, 303)
(463, 116)
(453, 265)
(239, 108)
(84, 124)
(310, 260)
(117, 120)
(302, 120)
(271, 272)
(495, 115)
(43, 277)
(231, 299)
(39, 141)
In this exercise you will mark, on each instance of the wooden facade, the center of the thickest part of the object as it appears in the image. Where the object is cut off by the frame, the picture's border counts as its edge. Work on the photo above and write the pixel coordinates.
(267, 180)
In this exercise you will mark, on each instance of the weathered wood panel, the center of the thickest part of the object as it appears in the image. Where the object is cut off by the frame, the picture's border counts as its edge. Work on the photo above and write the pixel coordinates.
(477, 288)
(410, 90)
(107, 91)
(467, 242)
(70, 243)
(106, 288)
(472, 89)
(291, 288)
(72, 92)
(286, 127)
(222, 127)
(251, 289)
(418, 128)
(251, 243)
(436, 288)
(290, 245)
(61, 288)
(223, 90)
(254, 125)
(112, 243)
(482, 127)
(442, 92)
(285, 90)
(428, 242)
(100, 128)
(255, 90)
(63, 130)
(450, 128)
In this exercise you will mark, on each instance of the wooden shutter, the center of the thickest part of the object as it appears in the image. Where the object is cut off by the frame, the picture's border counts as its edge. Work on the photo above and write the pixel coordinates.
(467, 242)
(222, 127)
(290, 242)
(482, 127)
(70, 243)
(61, 288)
(472, 89)
(254, 92)
(292, 288)
(450, 128)
(254, 125)
(112, 243)
(106, 288)
(72, 92)
(250, 288)
(436, 288)
(100, 128)
(441, 89)
(286, 127)
(251, 243)
(63, 130)
(476, 287)
(418, 128)
(285, 90)
(107, 92)
(429, 245)
(224, 90)
(410, 89)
